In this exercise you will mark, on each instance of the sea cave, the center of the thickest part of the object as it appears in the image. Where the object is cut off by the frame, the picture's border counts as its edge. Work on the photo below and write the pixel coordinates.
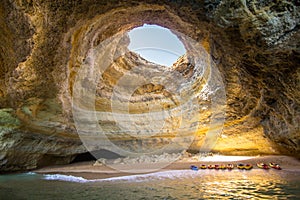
(94, 80)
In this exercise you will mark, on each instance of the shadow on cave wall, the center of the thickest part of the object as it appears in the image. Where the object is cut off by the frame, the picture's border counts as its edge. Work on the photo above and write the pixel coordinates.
(94, 155)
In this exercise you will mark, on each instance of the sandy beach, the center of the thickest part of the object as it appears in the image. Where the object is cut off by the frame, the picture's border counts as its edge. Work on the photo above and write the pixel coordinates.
(88, 170)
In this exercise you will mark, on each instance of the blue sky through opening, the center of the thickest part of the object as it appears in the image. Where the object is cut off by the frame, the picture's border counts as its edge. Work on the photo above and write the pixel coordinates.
(156, 44)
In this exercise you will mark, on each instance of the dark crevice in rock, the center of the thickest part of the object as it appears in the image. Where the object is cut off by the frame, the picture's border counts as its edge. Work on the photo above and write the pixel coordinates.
(84, 157)
(48, 160)
(94, 155)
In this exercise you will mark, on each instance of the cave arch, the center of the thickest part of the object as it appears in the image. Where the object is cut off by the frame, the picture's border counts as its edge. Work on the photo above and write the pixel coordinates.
(258, 60)
(96, 30)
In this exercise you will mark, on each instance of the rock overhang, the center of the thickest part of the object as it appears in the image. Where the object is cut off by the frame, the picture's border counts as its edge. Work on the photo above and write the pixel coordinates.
(260, 78)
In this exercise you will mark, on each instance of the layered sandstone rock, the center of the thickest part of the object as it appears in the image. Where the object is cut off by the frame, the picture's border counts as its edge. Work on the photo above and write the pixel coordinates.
(45, 44)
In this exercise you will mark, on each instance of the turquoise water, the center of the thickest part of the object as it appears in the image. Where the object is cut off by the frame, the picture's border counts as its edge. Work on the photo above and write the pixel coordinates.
(178, 184)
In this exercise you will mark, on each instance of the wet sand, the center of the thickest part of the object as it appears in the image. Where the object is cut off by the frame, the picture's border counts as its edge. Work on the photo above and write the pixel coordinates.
(89, 171)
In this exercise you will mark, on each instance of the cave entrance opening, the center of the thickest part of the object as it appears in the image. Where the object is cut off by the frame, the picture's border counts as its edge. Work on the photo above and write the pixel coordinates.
(156, 44)
(93, 155)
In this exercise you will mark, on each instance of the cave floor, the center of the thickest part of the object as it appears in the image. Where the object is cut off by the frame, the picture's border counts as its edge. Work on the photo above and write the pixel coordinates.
(88, 170)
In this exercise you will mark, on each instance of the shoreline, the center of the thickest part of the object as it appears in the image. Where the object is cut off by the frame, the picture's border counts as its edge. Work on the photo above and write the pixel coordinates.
(88, 171)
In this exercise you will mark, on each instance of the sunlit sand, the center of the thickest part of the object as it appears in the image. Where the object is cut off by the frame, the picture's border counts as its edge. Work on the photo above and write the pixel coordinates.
(89, 171)
(220, 158)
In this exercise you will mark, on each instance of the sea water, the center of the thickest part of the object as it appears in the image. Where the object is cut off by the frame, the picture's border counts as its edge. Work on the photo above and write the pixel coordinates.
(175, 184)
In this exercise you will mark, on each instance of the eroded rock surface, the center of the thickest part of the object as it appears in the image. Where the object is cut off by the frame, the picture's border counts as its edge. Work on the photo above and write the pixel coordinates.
(44, 44)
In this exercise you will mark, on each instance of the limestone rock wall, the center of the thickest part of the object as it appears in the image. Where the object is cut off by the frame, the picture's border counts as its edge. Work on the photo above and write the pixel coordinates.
(269, 60)
(255, 45)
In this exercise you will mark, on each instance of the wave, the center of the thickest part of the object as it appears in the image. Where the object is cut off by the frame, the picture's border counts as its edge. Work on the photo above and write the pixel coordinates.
(173, 174)
(30, 173)
(163, 175)
(61, 177)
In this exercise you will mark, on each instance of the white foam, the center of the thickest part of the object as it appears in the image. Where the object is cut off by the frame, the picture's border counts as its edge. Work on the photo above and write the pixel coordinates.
(61, 177)
(30, 173)
(173, 174)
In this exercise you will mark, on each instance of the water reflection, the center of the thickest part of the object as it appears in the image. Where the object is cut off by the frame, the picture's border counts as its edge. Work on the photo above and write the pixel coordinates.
(244, 185)
(183, 184)
(254, 184)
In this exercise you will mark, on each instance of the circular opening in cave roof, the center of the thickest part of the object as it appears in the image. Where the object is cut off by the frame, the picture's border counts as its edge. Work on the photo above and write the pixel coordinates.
(156, 44)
